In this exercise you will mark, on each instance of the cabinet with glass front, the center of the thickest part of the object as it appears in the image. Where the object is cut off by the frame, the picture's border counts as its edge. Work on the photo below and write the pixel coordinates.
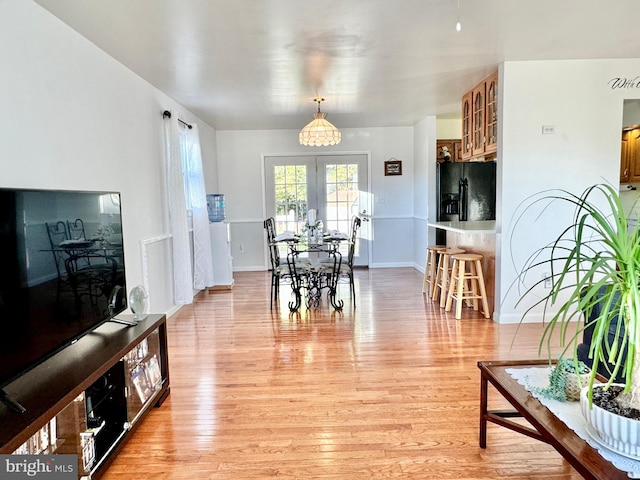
(480, 119)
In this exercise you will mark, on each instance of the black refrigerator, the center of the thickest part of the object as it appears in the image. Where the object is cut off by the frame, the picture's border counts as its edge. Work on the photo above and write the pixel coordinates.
(466, 191)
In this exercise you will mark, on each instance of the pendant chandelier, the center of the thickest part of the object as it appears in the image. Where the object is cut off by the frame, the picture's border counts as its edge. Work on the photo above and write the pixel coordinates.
(319, 132)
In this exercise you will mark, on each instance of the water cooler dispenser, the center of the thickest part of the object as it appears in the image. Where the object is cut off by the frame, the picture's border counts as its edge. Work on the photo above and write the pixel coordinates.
(220, 244)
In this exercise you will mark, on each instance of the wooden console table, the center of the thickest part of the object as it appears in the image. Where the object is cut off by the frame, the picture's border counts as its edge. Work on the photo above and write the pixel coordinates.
(546, 426)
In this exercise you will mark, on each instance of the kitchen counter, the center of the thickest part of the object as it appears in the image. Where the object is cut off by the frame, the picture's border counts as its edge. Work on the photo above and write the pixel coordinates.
(474, 237)
(480, 227)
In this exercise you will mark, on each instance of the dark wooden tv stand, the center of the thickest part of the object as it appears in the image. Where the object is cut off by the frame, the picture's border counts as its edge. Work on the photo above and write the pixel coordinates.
(89, 396)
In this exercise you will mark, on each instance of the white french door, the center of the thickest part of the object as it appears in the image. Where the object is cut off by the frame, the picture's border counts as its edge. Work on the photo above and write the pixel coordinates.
(336, 186)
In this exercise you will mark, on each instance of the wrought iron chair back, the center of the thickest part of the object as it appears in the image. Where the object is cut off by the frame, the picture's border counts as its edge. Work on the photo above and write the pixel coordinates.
(346, 269)
(57, 233)
(277, 270)
(76, 229)
(355, 226)
(274, 255)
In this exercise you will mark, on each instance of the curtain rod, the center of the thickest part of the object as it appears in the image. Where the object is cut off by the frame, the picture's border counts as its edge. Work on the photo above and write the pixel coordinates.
(167, 113)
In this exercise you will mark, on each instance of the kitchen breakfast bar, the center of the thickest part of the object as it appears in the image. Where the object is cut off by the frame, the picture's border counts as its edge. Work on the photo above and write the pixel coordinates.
(474, 237)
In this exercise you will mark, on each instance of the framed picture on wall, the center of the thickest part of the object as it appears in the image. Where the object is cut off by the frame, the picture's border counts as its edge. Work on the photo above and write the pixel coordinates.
(393, 167)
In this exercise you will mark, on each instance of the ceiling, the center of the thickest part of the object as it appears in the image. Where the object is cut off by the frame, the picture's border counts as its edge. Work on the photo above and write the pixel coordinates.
(258, 64)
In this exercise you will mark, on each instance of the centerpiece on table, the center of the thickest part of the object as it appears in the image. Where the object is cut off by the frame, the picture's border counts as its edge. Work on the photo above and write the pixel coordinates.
(595, 262)
(313, 227)
(102, 235)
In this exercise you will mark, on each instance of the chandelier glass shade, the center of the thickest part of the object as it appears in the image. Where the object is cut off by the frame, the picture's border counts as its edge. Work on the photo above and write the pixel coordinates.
(320, 132)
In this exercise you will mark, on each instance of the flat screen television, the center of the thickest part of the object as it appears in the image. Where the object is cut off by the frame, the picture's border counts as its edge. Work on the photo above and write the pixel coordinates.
(62, 272)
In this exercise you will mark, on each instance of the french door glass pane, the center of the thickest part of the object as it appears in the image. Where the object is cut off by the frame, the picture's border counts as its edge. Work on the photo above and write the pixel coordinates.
(290, 182)
(342, 196)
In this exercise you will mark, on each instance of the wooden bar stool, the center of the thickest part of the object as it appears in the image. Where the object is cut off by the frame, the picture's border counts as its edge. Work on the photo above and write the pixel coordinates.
(467, 283)
(430, 268)
(443, 273)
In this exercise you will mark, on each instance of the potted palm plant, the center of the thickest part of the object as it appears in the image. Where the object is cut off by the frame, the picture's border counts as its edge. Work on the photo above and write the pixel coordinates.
(594, 262)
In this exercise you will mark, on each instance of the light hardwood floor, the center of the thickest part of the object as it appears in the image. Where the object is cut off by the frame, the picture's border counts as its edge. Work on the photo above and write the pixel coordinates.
(389, 389)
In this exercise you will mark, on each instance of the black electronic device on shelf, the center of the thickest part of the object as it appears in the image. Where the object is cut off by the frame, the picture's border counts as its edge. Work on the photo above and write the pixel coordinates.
(106, 408)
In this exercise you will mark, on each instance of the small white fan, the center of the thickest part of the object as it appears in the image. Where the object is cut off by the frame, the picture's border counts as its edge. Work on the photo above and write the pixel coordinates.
(138, 302)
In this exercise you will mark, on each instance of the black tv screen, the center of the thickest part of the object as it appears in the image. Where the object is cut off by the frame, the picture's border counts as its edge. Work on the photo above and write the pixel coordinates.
(62, 271)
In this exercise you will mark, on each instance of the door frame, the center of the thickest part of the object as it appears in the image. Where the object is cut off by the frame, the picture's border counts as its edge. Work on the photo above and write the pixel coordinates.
(370, 213)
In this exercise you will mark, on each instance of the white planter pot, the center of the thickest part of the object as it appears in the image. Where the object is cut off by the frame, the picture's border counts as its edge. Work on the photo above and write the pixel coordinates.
(620, 434)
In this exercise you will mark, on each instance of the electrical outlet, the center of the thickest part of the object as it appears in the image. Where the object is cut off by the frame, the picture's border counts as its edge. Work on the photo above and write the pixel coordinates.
(547, 280)
(242, 248)
(548, 129)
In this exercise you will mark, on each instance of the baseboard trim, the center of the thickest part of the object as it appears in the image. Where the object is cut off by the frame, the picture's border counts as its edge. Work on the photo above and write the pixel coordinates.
(250, 268)
(221, 288)
(392, 265)
(173, 310)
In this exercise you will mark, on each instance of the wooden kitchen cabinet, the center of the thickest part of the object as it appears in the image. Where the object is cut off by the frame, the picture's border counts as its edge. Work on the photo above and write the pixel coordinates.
(478, 126)
(480, 119)
(453, 145)
(630, 156)
(491, 120)
(624, 158)
(466, 125)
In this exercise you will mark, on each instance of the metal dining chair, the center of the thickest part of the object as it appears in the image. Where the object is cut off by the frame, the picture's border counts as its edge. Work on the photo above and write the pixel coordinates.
(346, 268)
(277, 269)
(94, 276)
(57, 233)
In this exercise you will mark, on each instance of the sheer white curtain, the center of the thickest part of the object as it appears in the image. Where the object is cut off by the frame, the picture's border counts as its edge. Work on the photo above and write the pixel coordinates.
(196, 199)
(182, 276)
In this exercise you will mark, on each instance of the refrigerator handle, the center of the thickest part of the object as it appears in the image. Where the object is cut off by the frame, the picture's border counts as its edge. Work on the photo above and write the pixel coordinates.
(463, 186)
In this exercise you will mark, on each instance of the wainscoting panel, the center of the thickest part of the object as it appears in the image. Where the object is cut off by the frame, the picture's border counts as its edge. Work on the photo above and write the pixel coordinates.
(158, 273)
(248, 245)
(392, 244)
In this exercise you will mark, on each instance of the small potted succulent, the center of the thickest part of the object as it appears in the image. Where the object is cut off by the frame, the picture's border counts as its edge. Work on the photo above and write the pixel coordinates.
(566, 379)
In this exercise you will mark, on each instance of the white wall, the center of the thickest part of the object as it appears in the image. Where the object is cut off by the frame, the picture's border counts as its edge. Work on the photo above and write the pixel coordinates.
(449, 128)
(576, 97)
(424, 186)
(209, 157)
(74, 118)
(241, 179)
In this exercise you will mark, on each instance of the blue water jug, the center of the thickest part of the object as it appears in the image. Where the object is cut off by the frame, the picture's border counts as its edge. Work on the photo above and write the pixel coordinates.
(215, 207)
